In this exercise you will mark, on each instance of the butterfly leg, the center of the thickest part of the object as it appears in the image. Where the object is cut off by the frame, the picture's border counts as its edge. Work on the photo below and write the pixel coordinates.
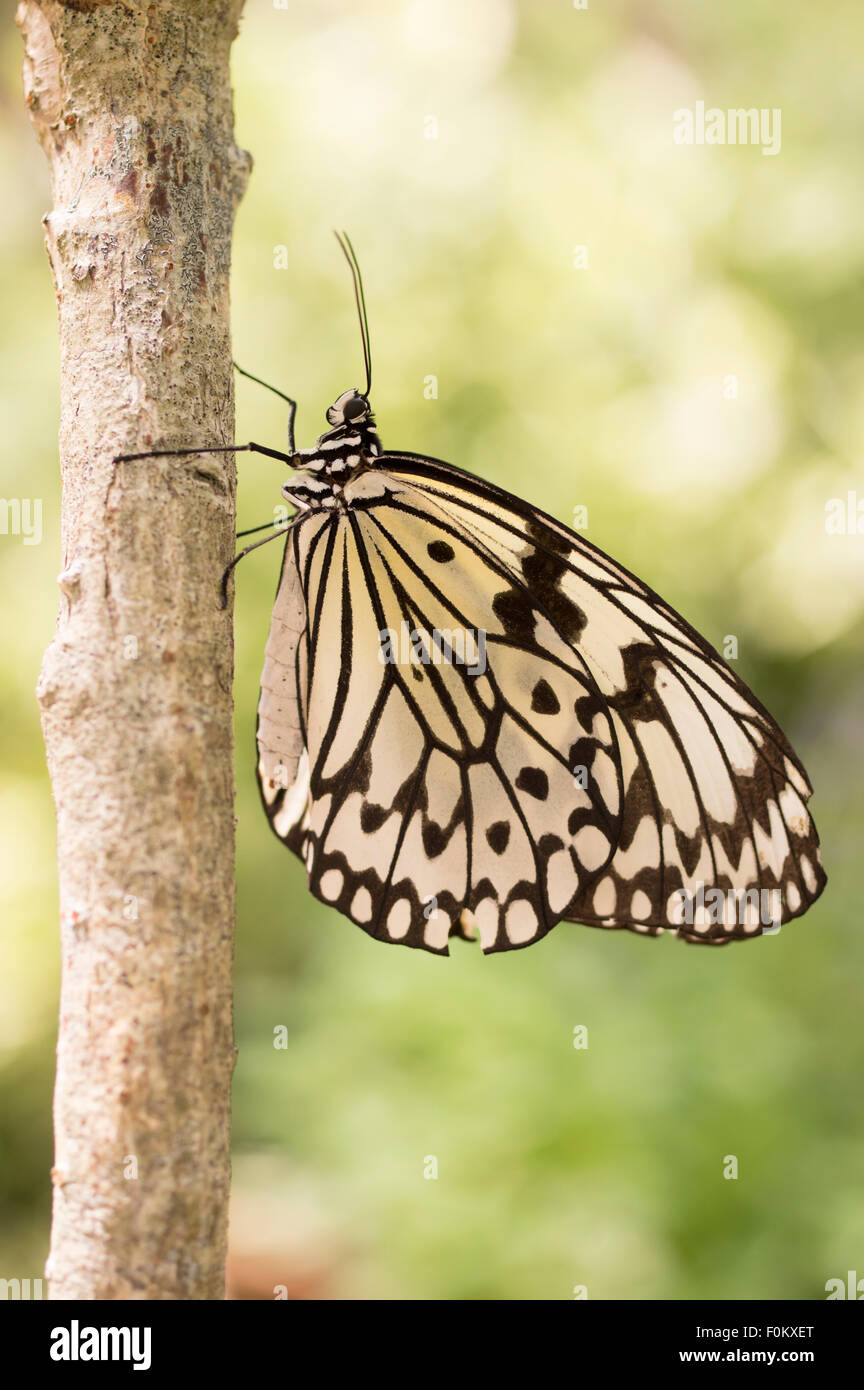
(209, 449)
(292, 405)
(245, 551)
(265, 525)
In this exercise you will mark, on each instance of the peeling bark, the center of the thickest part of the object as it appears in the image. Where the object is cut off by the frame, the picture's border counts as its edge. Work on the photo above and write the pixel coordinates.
(132, 104)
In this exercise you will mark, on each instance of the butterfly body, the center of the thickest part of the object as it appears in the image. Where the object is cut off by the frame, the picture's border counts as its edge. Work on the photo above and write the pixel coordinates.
(352, 445)
(602, 764)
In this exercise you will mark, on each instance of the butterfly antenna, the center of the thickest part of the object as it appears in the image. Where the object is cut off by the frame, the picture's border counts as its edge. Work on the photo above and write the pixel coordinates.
(360, 300)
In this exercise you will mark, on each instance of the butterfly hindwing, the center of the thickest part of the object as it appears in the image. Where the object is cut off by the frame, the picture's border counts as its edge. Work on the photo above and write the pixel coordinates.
(283, 763)
(435, 785)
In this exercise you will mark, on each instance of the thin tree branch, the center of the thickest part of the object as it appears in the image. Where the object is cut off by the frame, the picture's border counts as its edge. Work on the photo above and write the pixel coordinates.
(132, 104)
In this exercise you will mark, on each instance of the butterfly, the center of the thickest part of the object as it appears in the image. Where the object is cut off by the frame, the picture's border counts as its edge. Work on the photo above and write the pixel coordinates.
(474, 723)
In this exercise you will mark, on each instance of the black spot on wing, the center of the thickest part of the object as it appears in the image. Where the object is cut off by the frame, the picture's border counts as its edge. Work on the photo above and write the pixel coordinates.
(435, 839)
(498, 836)
(440, 551)
(544, 700)
(549, 844)
(548, 536)
(534, 781)
(372, 817)
(637, 700)
(587, 707)
(543, 572)
(514, 611)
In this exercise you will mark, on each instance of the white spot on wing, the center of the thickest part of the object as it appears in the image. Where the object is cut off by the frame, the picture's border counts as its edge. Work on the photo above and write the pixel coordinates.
(605, 897)
(562, 881)
(437, 930)
(296, 797)
(592, 847)
(332, 881)
(399, 918)
(808, 874)
(520, 922)
(486, 917)
(640, 906)
(361, 905)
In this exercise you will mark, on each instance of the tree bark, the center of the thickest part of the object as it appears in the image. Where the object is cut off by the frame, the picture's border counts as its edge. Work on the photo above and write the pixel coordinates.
(132, 103)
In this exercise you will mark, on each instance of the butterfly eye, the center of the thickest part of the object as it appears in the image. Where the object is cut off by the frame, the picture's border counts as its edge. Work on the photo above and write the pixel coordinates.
(354, 409)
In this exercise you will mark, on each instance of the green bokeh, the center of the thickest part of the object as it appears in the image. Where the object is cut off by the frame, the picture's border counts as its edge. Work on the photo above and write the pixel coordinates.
(608, 386)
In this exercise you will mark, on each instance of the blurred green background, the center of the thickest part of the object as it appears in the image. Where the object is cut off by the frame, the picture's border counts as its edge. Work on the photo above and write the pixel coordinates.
(698, 385)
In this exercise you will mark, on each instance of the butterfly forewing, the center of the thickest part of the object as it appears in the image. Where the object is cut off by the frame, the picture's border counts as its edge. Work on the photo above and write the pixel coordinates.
(714, 794)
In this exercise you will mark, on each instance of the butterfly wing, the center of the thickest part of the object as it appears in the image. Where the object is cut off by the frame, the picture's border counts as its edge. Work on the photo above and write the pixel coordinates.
(599, 757)
(437, 780)
(714, 797)
(283, 762)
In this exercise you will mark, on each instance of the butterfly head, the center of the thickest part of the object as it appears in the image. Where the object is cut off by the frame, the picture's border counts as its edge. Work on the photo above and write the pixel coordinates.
(351, 441)
(351, 408)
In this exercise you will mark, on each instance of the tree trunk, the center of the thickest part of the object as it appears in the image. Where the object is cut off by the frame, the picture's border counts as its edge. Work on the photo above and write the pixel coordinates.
(132, 104)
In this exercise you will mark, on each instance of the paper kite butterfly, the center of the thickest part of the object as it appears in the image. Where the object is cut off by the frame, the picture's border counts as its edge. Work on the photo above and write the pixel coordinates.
(473, 722)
